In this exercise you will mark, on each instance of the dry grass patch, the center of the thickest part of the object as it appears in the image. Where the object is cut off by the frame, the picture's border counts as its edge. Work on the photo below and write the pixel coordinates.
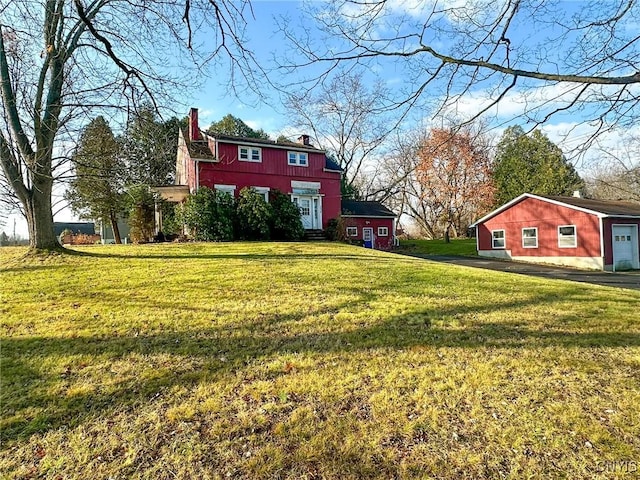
(267, 360)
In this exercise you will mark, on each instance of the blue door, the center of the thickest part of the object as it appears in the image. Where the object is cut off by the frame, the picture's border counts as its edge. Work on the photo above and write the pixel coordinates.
(367, 237)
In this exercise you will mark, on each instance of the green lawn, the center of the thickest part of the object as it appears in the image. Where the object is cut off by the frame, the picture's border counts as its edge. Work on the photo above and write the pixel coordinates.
(457, 246)
(309, 360)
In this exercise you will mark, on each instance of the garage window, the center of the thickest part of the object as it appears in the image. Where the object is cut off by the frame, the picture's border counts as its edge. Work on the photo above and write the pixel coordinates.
(567, 237)
(497, 239)
(530, 237)
(352, 231)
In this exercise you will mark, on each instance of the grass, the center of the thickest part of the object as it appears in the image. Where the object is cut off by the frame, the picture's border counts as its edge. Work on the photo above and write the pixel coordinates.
(457, 246)
(309, 360)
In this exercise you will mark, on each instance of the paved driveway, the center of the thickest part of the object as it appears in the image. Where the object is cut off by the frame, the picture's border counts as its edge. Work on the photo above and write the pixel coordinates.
(621, 280)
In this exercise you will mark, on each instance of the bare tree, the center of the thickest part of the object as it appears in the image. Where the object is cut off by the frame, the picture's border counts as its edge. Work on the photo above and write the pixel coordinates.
(548, 57)
(617, 175)
(347, 118)
(61, 58)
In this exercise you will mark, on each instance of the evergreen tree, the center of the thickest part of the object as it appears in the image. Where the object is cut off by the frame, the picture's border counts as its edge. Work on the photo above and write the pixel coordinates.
(531, 164)
(230, 125)
(150, 148)
(96, 190)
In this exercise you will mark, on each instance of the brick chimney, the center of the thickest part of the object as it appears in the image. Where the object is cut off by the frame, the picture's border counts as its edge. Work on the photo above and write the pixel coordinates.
(304, 140)
(194, 130)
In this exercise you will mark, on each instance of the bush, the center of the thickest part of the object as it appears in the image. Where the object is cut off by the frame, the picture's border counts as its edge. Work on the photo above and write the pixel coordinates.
(286, 222)
(253, 216)
(208, 214)
(335, 230)
(171, 219)
(142, 203)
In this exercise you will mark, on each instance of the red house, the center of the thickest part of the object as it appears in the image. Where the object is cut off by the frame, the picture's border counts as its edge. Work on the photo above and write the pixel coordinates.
(369, 222)
(229, 164)
(571, 231)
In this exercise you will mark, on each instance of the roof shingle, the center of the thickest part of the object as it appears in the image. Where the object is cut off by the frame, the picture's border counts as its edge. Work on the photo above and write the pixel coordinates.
(359, 208)
(606, 207)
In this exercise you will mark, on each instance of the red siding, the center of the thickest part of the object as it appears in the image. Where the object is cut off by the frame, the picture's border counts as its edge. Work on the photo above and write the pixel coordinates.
(381, 243)
(547, 217)
(607, 223)
(273, 172)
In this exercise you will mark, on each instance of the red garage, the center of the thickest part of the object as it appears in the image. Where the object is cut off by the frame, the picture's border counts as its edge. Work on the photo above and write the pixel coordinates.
(369, 222)
(572, 231)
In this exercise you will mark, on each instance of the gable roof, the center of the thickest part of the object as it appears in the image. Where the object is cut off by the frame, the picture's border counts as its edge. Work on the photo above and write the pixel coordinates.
(264, 142)
(357, 208)
(198, 149)
(600, 208)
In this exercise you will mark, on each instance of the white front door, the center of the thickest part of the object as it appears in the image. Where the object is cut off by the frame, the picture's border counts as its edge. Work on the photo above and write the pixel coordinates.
(306, 206)
(625, 247)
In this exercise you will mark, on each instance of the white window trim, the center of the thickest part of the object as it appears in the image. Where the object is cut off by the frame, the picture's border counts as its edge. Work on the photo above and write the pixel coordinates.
(383, 229)
(249, 152)
(575, 236)
(296, 162)
(504, 240)
(353, 229)
(264, 191)
(536, 237)
(230, 189)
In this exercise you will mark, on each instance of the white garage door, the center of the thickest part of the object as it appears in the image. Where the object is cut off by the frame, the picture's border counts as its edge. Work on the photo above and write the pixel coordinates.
(625, 247)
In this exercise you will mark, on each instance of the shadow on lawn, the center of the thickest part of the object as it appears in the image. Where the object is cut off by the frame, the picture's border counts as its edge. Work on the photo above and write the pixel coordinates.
(197, 251)
(223, 350)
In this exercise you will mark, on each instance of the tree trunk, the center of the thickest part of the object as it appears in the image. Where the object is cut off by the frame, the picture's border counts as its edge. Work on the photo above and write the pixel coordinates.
(114, 226)
(39, 216)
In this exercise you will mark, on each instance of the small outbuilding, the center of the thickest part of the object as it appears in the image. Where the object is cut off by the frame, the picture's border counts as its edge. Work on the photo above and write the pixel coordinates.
(570, 231)
(370, 223)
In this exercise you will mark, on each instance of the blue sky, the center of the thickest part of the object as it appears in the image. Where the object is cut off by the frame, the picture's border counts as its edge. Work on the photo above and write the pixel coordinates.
(264, 39)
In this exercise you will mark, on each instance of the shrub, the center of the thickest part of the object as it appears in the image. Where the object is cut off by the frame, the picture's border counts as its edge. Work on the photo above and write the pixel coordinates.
(253, 216)
(208, 214)
(142, 203)
(335, 230)
(171, 219)
(286, 223)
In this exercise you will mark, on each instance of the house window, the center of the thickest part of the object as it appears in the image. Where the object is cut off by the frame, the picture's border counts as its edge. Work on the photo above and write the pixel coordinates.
(250, 154)
(264, 191)
(230, 189)
(352, 231)
(383, 231)
(567, 237)
(530, 237)
(298, 158)
(497, 239)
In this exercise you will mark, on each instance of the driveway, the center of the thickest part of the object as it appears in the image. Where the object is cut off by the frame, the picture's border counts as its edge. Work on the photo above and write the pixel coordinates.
(608, 279)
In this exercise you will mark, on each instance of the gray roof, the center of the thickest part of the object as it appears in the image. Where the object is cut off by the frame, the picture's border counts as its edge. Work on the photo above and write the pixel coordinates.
(331, 164)
(606, 207)
(88, 228)
(357, 208)
(266, 142)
